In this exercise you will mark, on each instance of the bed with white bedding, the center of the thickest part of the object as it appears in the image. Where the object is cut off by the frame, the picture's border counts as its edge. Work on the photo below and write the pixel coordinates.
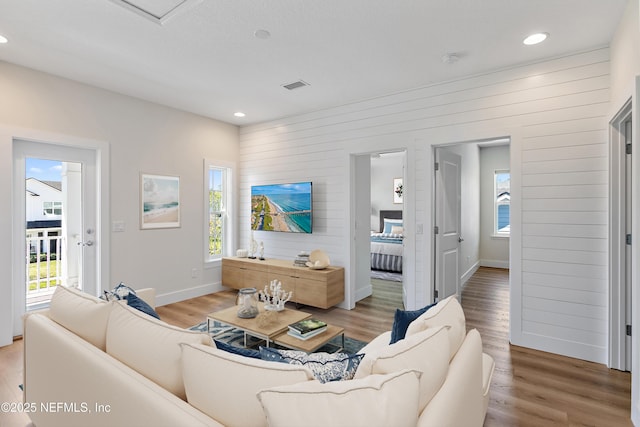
(386, 246)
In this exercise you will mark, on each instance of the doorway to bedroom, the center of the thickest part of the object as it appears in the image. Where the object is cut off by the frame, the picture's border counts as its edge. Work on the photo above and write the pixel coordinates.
(379, 235)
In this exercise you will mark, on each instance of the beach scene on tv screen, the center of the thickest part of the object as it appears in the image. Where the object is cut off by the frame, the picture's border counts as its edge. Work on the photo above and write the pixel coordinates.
(281, 207)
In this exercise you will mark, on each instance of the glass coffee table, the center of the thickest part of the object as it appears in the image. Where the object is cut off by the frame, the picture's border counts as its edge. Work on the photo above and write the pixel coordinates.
(266, 326)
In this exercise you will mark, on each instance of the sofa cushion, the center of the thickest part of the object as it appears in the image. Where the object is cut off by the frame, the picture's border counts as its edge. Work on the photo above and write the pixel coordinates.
(150, 346)
(426, 352)
(447, 312)
(377, 400)
(83, 314)
(401, 321)
(224, 385)
(325, 366)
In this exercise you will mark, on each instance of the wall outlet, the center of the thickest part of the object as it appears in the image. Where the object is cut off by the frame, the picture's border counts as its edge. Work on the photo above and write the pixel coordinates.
(194, 273)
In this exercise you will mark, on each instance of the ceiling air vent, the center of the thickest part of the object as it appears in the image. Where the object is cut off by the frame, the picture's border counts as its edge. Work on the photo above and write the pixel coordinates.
(295, 85)
(158, 11)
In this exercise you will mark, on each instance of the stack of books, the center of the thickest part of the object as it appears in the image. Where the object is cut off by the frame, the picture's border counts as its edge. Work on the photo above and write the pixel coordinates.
(301, 259)
(307, 328)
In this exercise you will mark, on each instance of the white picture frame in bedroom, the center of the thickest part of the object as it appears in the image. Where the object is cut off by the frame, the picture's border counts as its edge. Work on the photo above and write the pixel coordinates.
(397, 190)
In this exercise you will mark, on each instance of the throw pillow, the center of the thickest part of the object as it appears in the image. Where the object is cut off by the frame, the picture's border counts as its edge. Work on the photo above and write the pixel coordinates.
(118, 293)
(401, 322)
(377, 400)
(326, 367)
(246, 352)
(136, 302)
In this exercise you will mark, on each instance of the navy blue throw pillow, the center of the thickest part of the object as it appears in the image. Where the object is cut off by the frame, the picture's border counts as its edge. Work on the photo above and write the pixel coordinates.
(247, 352)
(134, 301)
(401, 322)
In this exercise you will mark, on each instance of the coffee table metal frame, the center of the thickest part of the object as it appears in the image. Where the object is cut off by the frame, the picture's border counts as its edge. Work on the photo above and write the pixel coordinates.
(267, 332)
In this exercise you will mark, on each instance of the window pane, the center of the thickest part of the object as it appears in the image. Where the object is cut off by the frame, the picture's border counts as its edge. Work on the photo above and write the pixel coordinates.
(502, 202)
(217, 196)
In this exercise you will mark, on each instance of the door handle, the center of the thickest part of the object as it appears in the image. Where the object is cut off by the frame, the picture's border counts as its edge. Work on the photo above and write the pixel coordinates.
(88, 243)
(460, 239)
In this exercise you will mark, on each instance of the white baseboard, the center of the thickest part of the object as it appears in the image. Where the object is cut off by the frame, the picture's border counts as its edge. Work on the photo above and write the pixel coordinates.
(184, 294)
(494, 263)
(364, 292)
(466, 276)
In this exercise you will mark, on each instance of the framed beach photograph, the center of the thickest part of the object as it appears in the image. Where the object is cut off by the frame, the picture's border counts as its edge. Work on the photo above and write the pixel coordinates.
(159, 201)
(397, 190)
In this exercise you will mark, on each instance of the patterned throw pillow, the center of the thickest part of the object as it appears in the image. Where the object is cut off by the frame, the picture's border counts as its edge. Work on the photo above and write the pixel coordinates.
(325, 366)
(120, 292)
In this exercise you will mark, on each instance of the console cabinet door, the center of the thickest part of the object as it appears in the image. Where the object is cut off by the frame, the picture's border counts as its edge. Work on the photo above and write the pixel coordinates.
(233, 277)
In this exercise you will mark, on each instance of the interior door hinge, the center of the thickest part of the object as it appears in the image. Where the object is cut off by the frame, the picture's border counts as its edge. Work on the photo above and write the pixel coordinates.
(628, 239)
(436, 230)
(436, 166)
(629, 330)
(628, 148)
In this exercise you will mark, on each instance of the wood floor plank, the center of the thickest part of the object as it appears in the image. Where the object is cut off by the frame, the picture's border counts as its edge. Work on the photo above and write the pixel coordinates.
(529, 387)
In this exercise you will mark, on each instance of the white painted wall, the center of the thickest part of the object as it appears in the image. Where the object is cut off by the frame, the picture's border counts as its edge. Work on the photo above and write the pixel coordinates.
(494, 251)
(383, 170)
(470, 208)
(555, 113)
(625, 84)
(143, 137)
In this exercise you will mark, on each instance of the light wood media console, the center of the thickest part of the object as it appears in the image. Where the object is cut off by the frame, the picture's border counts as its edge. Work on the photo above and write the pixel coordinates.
(317, 288)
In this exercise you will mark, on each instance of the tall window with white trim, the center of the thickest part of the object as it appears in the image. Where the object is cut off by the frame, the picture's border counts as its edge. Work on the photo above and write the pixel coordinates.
(218, 202)
(502, 200)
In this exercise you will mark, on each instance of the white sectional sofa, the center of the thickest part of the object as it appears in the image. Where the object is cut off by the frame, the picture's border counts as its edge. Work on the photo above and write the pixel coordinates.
(93, 363)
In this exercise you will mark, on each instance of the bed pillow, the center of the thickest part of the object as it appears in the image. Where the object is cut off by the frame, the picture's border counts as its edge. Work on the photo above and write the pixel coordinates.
(389, 223)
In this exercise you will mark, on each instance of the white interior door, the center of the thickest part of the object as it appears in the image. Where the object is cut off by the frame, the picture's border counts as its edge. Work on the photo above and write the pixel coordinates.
(447, 228)
(61, 229)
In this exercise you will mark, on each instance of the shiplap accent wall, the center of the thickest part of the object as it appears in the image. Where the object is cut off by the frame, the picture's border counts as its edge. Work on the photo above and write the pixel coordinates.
(555, 113)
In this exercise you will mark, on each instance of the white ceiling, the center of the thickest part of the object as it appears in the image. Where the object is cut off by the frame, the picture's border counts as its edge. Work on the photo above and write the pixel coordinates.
(205, 59)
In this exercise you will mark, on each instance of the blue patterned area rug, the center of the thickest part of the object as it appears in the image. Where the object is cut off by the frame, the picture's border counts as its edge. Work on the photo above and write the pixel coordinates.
(235, 337)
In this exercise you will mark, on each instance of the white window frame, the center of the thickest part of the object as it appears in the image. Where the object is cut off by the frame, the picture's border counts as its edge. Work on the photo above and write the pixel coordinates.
(496, 232)
(227, 212)
(53, 206)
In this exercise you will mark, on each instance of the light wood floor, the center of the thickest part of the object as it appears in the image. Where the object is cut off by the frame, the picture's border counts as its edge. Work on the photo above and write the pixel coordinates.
(529, 388)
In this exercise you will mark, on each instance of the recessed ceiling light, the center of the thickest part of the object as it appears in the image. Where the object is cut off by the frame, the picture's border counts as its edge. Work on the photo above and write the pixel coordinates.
(535, 38)
(239, 114)
(3, 39)
(262, 34)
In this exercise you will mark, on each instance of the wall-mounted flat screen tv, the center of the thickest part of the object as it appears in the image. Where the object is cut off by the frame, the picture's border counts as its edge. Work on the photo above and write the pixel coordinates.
(282, 207)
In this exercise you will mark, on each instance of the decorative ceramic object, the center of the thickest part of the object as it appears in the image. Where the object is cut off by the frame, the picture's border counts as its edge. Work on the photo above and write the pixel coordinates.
(242, 253)
(274, 297)
(247, 303)
(318, 260)
(262, 250)
(253, 246)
